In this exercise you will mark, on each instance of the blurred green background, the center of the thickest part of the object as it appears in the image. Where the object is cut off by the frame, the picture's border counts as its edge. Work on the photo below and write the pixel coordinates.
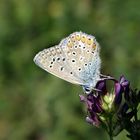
(35, 105)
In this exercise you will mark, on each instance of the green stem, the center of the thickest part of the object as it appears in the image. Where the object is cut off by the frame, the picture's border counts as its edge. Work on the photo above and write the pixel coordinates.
(135, 115)
(110, 128)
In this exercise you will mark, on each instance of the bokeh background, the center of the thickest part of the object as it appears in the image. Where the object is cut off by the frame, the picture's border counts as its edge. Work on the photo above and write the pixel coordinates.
(35, 105)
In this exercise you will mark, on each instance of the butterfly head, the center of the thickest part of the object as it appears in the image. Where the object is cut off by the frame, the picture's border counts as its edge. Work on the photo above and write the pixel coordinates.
(87, 89)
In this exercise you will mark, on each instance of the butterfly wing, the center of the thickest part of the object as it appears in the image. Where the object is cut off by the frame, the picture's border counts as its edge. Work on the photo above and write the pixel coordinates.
(76, 59)
(53, 61)
(82, 53)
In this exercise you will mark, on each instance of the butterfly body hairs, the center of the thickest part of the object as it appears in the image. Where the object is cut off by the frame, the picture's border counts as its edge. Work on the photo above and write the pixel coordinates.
(75, 59)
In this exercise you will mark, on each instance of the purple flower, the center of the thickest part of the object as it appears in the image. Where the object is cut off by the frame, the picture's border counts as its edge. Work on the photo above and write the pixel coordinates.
(118, 93)
(93, 104)
(121, 86)
(101, 86)
(124, 82)
(93, 119)
(112, 108)
(117, 104)
(131, 96)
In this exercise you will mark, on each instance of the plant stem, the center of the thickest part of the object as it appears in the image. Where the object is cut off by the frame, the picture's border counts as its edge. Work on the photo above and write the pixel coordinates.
(135, 115)
(110, 134)
(111, 138)
(110, 128)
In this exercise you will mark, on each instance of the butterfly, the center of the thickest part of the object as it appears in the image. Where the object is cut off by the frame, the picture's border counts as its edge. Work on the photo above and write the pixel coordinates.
(75, 59)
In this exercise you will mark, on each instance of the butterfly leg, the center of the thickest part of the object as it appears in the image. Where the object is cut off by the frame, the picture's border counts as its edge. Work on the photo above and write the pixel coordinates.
(95, 89)
(106, 77)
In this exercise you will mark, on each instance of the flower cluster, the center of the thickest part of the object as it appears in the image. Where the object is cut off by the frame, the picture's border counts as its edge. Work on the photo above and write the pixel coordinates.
(112, 108)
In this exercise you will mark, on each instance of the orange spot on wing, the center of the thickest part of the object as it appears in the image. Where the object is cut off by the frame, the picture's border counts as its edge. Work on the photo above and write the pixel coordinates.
(78, 37)
(94, 46)
(89, 41)
(83, 39)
